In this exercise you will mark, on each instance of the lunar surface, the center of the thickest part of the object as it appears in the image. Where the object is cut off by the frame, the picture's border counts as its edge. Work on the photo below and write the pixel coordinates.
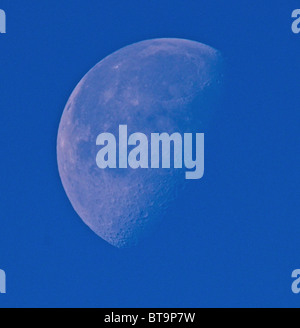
(154, 86)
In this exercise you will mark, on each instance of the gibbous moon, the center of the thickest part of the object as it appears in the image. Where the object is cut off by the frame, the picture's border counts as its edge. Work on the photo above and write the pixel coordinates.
(154, 86)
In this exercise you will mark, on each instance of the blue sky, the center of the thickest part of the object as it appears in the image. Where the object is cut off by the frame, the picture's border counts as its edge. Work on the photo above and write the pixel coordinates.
(233, 240)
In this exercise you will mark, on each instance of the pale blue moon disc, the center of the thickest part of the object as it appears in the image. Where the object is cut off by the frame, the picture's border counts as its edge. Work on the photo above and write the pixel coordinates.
(154, 86)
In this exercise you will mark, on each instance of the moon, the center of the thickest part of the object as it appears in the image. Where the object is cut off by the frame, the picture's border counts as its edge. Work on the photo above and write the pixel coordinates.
(159, 85)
